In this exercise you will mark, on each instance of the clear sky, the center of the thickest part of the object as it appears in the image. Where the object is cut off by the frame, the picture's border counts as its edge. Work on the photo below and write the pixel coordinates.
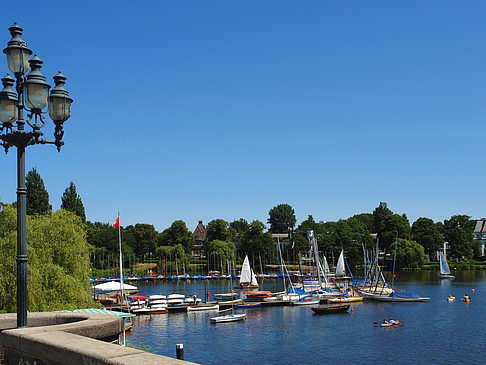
(223, 109)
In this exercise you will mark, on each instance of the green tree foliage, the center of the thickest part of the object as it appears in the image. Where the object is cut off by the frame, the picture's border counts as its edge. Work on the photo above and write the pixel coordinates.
(392, 224)
(37, 195)
(367, 219)
(177, 234)
(379, 215)
(143, 238)
(72, 202)
(225, 249)
(58, 266)
(426, 233)
(255, 240)
(281, 218)
(350, 235)
(458, 231)
(219, 229)
(409, 254)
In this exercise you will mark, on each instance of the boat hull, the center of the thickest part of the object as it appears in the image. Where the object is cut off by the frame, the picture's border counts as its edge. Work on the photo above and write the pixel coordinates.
(331, 309)
(228, 318)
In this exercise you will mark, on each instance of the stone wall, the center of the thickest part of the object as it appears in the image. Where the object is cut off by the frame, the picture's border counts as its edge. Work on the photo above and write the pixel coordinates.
(70, 338)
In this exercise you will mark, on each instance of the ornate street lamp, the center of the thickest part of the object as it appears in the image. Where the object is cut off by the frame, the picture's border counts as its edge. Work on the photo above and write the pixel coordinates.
(31, 94)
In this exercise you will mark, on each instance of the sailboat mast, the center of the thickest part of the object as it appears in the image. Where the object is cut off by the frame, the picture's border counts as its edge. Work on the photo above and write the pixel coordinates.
(394, 259)
(121, 260)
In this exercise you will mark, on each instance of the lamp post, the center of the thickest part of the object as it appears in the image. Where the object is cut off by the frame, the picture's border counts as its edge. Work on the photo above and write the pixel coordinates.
(32, 94)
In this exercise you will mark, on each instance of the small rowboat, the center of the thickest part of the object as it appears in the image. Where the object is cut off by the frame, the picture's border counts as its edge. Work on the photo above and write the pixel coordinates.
(229, 318)
(331, 309)
(248, 305)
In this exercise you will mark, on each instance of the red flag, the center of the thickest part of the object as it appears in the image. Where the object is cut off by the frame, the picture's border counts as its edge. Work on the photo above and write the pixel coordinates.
(117, 223)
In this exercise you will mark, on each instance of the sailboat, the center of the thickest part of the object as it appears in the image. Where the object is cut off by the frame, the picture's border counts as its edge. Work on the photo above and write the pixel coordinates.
(231, 317)
(386, 294)
(247, 276)
(445, 272)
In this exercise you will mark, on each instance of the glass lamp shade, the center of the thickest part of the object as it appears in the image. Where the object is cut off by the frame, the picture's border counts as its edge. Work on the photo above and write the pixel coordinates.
(8, 111)
(18, 59)
(35, 95)
(59, 108)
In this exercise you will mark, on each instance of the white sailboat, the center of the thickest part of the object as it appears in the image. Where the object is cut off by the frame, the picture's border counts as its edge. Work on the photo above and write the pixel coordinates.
(340, 270)
(445, 272)
(247, 276)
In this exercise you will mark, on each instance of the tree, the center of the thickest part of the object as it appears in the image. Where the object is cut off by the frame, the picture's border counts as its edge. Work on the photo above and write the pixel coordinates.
(458, 231)
(145, 238)
(281, 218)
(426, 233)
(58, 264)
(219, 229)
(177, 234)
(409, 254)
(255, 240)
(390, 226)
(72, 202)
(367, 219)
(37, 195)
(379, 215)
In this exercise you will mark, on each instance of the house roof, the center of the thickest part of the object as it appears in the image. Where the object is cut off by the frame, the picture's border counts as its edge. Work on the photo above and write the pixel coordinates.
(200, 232)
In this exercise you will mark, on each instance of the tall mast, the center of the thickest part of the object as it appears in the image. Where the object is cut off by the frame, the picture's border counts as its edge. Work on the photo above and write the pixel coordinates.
(121, 260)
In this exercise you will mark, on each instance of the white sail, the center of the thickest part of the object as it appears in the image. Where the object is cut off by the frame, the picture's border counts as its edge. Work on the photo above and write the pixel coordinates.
(326, 266)
(340, 271)
(245, 275)
(253, 278)
(444, 267)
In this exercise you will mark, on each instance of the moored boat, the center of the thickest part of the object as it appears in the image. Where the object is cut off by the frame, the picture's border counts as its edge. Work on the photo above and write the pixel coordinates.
(229, 318)
(329, 309)
(202, 307)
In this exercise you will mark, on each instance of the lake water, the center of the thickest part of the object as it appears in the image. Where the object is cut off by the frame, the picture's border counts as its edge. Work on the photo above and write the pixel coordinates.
(437, 332)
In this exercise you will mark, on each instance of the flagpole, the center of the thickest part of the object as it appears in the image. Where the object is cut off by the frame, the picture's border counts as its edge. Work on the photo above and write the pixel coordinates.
(121, 260)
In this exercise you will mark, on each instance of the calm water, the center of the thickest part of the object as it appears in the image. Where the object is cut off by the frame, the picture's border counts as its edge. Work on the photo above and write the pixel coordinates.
(437, 332)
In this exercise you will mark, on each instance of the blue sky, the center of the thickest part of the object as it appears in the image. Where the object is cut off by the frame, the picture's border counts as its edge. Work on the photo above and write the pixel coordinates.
(223, 109)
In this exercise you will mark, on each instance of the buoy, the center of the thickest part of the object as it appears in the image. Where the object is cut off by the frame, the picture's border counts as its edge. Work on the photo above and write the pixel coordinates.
(473, 290)
(352, 309)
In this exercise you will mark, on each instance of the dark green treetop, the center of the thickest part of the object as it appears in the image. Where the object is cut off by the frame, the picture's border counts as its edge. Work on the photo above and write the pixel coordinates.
(426, 233)
(72, 201)
(281, 218)
(379, 215)
(37, 195)
(177, 234)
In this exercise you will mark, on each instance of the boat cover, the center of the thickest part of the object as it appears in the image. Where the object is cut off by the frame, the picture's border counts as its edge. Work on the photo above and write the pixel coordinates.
(405, 294)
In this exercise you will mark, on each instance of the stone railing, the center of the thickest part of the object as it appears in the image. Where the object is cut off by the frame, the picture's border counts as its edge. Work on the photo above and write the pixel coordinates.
(70, 338)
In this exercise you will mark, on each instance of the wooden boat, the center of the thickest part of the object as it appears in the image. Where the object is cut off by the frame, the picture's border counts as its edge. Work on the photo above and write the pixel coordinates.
(248, 305)
(229, 318)
(445, 272)
(331, 309)
(202, 307)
